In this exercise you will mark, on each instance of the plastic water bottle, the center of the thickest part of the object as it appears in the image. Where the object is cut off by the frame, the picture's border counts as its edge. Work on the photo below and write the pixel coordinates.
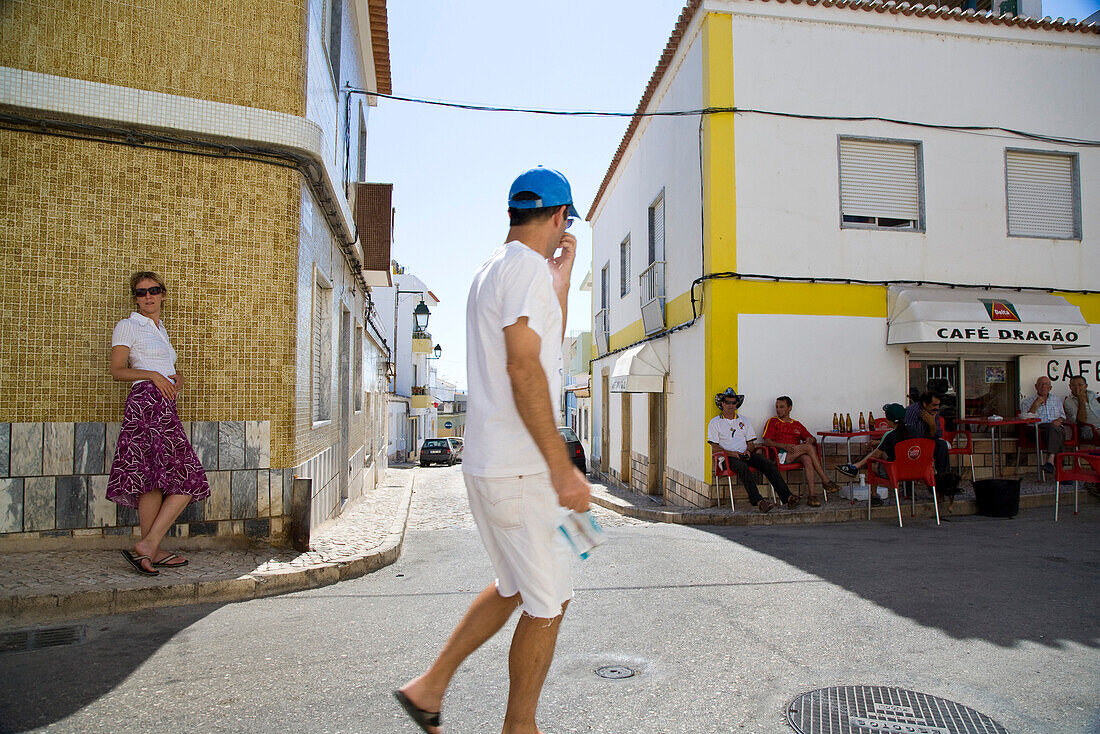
(581, 532)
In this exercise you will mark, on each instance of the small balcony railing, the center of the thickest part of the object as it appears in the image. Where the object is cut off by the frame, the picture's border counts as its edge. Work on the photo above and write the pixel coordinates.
(651, 294)
(601, 332)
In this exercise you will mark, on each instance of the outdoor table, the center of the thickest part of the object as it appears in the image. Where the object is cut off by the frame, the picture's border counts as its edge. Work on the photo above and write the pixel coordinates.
(992, 426)
(849, 435)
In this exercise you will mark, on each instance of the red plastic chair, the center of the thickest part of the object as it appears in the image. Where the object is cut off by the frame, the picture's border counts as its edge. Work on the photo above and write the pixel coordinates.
(912, 463)
(772, 455)
(720, 461)
(881, 424)
(1082, 441)
(1076, 473)
(965, 449)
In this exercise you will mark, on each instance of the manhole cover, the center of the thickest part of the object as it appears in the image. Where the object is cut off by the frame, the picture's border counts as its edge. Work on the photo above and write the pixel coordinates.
(872, 709)
(615, 671)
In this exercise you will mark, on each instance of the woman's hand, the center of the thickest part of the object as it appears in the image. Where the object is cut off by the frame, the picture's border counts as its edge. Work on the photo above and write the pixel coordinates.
(167, 387)
(178, 379)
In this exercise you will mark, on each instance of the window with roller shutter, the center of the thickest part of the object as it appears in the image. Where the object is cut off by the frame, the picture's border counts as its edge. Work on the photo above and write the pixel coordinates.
(881, 184)
(1043, 194)
(321, 351)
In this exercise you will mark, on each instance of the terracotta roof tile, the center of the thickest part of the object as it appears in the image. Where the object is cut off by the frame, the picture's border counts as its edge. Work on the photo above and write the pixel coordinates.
(380, 43)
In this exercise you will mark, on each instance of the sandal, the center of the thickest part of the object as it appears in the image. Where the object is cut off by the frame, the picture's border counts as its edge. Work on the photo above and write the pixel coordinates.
(793, 501)
(135, 561)
(813, 501)
(420, 717)
(832, 486)
(166, 562)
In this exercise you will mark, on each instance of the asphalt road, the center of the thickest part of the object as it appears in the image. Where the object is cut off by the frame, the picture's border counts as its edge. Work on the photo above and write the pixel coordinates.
(725, 626)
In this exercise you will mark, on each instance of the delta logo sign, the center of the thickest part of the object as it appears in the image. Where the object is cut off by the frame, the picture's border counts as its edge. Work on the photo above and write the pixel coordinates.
(1000, 310)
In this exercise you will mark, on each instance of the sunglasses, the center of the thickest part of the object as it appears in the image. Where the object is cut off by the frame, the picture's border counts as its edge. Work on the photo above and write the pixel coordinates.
(154, 291)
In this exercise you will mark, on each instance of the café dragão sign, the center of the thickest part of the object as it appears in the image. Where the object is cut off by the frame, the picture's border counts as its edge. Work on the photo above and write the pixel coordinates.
(935, 323)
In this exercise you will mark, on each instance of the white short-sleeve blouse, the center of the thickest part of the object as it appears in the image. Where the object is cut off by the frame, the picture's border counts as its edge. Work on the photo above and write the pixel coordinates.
(150, 348)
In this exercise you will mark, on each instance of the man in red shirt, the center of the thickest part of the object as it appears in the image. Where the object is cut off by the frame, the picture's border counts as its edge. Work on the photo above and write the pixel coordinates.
(785, 434)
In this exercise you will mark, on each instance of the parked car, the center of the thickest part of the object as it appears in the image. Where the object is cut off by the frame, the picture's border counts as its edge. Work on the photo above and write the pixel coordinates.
(574, 447)
(456, 446)
(438, 451)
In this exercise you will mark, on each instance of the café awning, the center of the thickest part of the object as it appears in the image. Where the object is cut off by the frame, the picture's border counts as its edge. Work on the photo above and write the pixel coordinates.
(641, 368)
(923, 315)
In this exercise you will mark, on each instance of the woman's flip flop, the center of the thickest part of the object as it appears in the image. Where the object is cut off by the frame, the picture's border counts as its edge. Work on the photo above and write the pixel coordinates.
(423, 719)
(135, 561)
(166, 561)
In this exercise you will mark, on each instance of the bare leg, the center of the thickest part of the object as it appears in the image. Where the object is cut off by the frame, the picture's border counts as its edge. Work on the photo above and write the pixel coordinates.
(528, 662)
(808, 470)
(169, 509)
(486, 615)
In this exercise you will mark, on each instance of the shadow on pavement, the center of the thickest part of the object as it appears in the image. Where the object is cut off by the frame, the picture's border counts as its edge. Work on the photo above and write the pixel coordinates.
(43, 686)
(1001, 580)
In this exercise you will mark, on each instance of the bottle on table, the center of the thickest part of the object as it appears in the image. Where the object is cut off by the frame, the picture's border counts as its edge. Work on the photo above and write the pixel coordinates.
(862, 422)
(848, 423)
(870, 421)
(836, 424)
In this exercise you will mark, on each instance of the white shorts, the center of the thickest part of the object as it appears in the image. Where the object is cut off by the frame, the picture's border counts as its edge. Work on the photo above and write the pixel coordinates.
(518, 519)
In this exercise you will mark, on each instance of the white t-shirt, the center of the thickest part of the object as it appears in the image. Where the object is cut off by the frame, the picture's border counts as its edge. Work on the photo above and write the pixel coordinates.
(732, 434)
(150, 348)
(514, 282)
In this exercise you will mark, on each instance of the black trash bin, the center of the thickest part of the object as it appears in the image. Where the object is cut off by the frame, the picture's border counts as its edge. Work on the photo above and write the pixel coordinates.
(997, 497)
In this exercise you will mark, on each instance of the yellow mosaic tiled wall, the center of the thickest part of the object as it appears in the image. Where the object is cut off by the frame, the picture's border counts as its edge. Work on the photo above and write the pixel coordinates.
(77, 217)
(245, 52)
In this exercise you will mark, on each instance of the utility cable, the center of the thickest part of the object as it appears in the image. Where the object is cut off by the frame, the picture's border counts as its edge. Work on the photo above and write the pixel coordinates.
(705, 111)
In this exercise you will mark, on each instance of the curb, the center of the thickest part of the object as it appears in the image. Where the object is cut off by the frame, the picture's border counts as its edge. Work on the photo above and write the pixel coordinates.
(847, 513)
(38, 608)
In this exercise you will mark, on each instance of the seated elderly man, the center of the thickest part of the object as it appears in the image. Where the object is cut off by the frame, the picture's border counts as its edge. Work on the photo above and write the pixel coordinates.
(735, 436)
(1051, 417)
(797, 446)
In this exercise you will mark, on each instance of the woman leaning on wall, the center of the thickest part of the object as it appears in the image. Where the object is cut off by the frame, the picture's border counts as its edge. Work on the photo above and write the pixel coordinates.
(155, 469)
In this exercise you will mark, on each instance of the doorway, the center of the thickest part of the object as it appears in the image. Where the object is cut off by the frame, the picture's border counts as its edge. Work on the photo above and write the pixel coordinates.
(605, 421)
(655, 476)
(625, 403)
(344, 391)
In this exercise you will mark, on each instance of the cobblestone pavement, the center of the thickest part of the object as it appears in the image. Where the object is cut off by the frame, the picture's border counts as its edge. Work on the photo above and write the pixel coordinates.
(439, 502)
(42, 581)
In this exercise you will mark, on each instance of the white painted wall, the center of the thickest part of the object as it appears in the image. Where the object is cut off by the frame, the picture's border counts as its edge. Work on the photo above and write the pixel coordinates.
(836, 364)
(788, 210)
(687, 415)
(664, 155)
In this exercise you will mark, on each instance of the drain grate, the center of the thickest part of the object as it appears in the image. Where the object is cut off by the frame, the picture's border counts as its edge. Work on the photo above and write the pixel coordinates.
(615, 672)
(871, 709)
(40, 639)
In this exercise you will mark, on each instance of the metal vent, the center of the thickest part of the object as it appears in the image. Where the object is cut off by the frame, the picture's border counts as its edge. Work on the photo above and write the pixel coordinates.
(863, 709)
(39, 639)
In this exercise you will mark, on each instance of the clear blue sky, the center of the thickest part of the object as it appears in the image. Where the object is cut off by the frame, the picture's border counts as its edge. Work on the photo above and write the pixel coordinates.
(451, 168)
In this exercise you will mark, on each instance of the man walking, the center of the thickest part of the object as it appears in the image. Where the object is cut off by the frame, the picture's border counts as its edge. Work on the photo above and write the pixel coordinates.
(518, 474)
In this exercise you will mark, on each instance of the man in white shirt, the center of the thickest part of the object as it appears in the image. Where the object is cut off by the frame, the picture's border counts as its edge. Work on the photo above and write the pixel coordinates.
(735, 436)
(518, 474)
(1051, 417)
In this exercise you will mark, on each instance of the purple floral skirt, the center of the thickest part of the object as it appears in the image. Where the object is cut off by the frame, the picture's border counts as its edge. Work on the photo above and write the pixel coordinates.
(153, 451)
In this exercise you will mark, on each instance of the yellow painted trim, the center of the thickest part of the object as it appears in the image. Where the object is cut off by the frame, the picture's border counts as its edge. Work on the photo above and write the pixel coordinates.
(678, 309)
(1089, 303)
(626, 337)
(809, 299)
(719, 203)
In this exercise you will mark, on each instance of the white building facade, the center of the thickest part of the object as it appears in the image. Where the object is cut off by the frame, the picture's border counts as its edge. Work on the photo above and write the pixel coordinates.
(841, 261)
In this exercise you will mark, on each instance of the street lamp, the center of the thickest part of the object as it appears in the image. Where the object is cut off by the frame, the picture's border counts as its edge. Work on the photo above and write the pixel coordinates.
(421, 315)
(437, 351)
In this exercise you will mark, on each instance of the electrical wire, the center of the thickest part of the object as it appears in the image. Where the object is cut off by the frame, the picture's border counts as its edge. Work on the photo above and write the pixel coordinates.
(705, 111)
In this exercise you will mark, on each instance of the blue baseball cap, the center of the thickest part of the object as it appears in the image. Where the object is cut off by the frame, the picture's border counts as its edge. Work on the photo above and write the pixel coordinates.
(549, 187)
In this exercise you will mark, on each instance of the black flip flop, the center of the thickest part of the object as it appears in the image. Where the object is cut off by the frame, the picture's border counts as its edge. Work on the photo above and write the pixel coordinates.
(422, 718)
(164, 562)
(135, 561)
